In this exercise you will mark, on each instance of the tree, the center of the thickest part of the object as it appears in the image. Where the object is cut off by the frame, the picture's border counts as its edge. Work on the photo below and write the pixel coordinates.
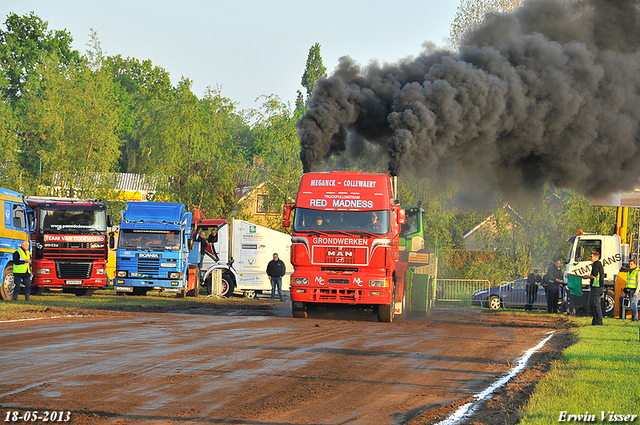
(9, 168)
(471, 13)
(140, 85)
(72, 125)
(194, 144)
(24, 44)
(275, 141)
(314, 69)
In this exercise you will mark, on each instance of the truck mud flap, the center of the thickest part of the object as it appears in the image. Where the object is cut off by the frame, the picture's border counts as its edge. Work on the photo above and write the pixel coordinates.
(322, 294)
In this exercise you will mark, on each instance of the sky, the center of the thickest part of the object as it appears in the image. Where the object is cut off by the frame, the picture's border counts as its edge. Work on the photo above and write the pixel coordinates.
(247, 48)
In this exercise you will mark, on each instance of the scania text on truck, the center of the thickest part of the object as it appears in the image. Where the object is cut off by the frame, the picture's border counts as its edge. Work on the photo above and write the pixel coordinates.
(153, 252)
(345, 243)
(241, 251)
(70, 245)
(17, 222)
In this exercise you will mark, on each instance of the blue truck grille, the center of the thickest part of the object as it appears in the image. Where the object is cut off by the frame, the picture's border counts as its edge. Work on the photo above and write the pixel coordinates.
(73, 270)
(149, 265)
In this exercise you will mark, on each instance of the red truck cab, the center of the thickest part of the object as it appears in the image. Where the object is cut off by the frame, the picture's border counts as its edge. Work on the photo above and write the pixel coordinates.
(69, 245)
(345, 242)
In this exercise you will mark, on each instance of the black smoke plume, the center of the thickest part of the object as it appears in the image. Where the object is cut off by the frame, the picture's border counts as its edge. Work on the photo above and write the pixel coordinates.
(548, 93)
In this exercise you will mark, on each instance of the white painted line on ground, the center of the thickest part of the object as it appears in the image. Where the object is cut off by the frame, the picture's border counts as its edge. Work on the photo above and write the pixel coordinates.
(465, 411)
(19, 390)
(40, 318)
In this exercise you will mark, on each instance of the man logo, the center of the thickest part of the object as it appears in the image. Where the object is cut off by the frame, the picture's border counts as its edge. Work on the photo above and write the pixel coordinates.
(320, 280)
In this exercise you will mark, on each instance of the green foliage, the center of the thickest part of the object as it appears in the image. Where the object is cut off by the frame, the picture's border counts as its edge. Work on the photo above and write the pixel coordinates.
(9, 168)
(314, 69)
(276, 144)
(72, 126)
(594, 375)
(26, 43)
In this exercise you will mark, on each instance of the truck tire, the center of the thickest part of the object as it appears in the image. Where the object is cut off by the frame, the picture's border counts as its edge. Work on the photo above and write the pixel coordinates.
(228, 284)
(208, 283)
(6, 288)
(298, 310)
(38, 290)
(609, 303)
(81, 292)
(384, 311)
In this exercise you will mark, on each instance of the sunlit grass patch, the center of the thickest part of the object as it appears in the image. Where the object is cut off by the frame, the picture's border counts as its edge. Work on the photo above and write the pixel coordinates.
(597, 374)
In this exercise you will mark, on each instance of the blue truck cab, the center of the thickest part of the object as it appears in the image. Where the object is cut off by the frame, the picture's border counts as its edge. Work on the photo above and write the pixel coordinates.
(16, 225)
(153, 251)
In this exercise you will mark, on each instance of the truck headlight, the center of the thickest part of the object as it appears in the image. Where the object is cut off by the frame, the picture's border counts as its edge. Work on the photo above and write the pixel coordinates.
(379, 283)
(44, 271)
(174, 275)
(302, 280)
(100, 271)
(121, 273)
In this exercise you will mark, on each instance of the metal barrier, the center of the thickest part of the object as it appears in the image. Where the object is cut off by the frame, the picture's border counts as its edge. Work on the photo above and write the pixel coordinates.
(459, 290)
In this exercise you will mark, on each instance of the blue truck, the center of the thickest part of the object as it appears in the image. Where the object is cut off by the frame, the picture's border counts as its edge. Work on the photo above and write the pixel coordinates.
(153, 250)
(16, 224)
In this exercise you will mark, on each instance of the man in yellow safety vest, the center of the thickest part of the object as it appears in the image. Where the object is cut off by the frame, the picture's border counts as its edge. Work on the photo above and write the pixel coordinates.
(22, 270)
(632, 289)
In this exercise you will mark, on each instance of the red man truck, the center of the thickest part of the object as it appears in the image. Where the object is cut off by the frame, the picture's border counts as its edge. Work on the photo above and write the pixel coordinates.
(345, 243)
(69, 245)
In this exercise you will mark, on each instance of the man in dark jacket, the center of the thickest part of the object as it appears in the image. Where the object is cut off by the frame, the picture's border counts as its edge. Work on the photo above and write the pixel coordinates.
(275, 270)
(533, 283)
(553, 287)
(597, 288)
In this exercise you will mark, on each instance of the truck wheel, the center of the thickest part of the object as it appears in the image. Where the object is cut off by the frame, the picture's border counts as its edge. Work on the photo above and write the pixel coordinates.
(38, 290)
(385, 312)
(208, 283)
(6, 289)
(298, 310)
(81, 292)
(494, 303)
(609, 303)
(227, 285)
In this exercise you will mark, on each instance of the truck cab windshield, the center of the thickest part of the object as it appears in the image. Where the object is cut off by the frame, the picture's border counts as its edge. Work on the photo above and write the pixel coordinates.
(154, 240)
(376, 222)
(74, 221)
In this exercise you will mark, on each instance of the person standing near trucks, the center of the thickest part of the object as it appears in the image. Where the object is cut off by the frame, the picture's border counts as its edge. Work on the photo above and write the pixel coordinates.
(22, 271)
(597, 288)
(531, 289)
(632, 289)
(275, 270)
(553, 287)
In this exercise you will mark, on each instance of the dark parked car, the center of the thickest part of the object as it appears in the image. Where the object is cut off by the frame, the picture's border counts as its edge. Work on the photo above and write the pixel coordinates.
(509, 295)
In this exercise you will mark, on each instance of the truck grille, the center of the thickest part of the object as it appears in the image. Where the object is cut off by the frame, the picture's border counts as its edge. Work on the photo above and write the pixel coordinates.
(149, 265)
(340, 255)
(73, 270)
(322, 294)
(73, 251)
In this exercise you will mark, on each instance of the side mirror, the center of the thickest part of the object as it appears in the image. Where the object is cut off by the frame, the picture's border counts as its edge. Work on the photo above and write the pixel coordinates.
(109, 220)
(112, 240)
(286, 215)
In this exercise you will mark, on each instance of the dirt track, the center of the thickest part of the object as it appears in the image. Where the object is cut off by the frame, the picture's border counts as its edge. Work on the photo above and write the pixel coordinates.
(261, 367)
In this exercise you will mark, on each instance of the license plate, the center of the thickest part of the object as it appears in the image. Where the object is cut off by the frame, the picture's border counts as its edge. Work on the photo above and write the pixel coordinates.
(124, 288)
(172, 290)
(73, 282)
